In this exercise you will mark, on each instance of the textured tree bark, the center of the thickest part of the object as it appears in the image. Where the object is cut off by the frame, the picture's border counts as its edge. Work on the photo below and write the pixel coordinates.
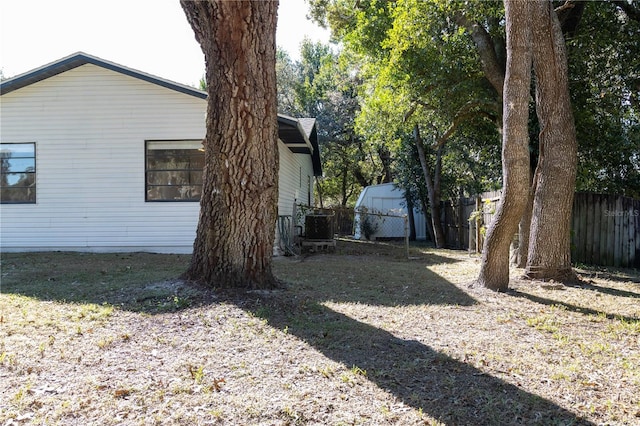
(494, 270)
(550, 243)
(521, 251)
(238, 208)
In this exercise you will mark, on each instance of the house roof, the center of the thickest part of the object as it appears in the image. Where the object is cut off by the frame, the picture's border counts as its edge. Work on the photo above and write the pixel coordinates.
(311, 130)
(80, 58)
(299, 137)
(290, 131)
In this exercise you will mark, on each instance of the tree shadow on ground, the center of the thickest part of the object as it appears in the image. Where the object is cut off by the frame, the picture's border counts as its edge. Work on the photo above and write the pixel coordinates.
(138, 282)
(418, 251)
(421, 377)
(568, 306)
(451, 391)
(372, 281)
(589, 285)
(625, 275)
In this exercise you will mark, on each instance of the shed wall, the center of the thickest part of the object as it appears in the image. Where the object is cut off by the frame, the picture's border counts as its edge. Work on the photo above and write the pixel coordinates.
(388, 199)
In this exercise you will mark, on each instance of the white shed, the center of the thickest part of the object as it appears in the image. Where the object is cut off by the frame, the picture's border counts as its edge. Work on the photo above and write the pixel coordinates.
(386, 199)
(96, 156)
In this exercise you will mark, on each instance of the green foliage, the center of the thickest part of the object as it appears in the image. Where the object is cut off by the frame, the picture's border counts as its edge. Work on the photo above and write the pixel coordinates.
(418, 64)
(604, 65)
(367, 223)
(431, 76)
(326, 85)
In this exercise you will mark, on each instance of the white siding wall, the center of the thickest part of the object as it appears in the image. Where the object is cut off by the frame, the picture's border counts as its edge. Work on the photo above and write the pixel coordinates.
(296, 170)
(90, 126)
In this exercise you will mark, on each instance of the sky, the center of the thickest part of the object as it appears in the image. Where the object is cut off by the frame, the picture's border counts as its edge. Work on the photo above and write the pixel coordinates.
(152, 36)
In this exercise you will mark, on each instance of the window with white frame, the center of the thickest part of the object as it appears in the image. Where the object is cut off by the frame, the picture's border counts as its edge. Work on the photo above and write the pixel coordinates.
(17, 173)
(174, 170)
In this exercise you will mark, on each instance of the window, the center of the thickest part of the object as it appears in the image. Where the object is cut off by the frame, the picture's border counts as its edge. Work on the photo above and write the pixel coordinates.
(18, 173)
(174, 170)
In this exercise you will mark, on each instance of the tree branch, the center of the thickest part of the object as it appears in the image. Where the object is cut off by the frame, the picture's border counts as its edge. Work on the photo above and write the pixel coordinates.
(568, 4)
(466, 111)
(569, 15)
(488, 57)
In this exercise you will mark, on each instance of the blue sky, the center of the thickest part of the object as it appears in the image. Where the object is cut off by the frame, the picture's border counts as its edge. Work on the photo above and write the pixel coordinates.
(149, 35)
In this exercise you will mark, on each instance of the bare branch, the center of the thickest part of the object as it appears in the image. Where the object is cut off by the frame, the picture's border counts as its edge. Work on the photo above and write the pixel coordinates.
(567, 5)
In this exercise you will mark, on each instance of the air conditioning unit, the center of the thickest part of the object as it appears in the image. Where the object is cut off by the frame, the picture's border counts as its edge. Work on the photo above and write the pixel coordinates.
(318, 227)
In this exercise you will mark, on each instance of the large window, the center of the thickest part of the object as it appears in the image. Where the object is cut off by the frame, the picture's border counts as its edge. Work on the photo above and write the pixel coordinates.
(17, 173)
(174, 170)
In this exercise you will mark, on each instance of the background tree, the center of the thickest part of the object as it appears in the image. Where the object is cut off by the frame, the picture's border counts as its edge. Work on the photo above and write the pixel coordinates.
(287, 81)
(419, 70)
(603, 40)
(234, 240)
(326, 85)
(604, 67)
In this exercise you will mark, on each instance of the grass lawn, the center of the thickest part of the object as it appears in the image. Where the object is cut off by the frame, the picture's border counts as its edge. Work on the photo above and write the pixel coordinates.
(357, 337)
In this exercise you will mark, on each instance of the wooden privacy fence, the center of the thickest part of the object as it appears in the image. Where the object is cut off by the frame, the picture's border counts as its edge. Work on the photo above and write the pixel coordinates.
(343, 220)
(460, 231)
(605, 229)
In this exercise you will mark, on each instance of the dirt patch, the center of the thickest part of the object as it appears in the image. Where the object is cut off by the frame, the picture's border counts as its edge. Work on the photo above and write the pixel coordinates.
(354, 338)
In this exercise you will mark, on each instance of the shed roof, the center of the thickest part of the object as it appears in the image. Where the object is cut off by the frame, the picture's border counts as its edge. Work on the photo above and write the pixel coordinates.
(298, 137)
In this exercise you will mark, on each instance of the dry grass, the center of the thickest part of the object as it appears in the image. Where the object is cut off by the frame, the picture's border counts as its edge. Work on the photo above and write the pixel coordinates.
(357, 337)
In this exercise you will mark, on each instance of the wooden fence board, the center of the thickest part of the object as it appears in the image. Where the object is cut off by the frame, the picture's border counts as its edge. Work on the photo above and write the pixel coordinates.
(582, 253)
(617, 249)
(611, 232)
(636, 213)
(604, 229)
(624, 234)
(597, 224)
(588, 243)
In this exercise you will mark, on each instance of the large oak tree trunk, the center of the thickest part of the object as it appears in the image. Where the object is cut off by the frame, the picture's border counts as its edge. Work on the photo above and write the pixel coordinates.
(494, 271)
(549, 249)
(238, 208)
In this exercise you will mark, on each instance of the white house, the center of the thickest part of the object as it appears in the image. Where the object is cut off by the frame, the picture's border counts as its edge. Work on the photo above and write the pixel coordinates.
(385, 199)
(96, 156)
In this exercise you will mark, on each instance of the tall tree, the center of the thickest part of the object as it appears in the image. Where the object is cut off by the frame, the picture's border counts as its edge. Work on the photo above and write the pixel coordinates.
(234, 241)
(554, 180)
(494, 270)
(434, 188)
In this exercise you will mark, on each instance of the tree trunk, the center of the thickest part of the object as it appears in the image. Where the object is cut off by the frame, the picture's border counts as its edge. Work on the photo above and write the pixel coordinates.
(428, 222)
(320, 190)
(550, 242)
(433, 187)
(238, 208)
(411, 217)
(385, 158)
(486, 48)
(521, 250)
(494, 271)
